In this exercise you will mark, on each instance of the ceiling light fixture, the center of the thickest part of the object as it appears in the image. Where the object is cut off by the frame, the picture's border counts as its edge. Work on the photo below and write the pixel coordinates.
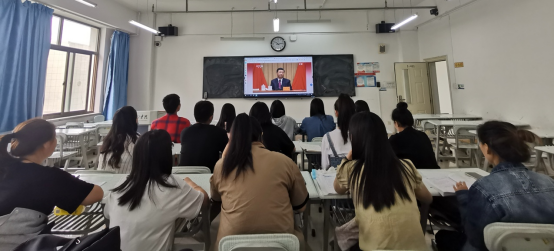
(396, 26)
(135, 23)
(89, 4)
(276, 24)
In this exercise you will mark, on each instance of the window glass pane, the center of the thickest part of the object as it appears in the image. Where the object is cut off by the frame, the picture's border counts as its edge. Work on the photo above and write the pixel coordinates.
(76, 98)
(55, 30)
(79, 36)
(55, 75)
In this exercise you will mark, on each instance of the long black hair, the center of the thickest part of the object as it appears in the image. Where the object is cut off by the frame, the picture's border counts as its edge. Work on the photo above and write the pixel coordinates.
(152, 164)
(260, 111)
(361, 106)
(402, 115)
(228, 115)
(317, 108)
(378, 175)
(504, 140)
(124, 127)
(346, 108)
(245, 130)
(26, 138)
(277, 109)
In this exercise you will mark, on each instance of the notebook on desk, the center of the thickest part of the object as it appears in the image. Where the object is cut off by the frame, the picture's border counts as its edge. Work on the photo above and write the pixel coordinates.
(445, 183)
(325, 181)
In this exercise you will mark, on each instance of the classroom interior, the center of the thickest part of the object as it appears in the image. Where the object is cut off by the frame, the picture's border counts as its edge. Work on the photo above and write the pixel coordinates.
(481, 60)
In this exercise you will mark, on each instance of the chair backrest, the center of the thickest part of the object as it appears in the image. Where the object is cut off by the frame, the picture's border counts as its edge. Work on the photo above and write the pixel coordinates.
(99, 118)
(260, 242)
(317, 139)
(190, 170)
(94, 172)
(502, 236)
(69, 125)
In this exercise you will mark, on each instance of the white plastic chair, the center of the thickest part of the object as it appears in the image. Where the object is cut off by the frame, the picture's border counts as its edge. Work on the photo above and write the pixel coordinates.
(61, 154)
(190, 170)
(260, 242)
(99, 118)
(464, 142)
(502, 236)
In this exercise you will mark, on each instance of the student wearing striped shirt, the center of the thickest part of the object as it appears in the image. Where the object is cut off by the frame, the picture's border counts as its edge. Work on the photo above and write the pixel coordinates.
(117, 149)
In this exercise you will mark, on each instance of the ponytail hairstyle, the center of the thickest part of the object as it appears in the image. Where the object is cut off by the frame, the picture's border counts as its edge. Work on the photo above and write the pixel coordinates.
(378, 175)
(346, 108)
(152, 165)
(244, 131)
(503, 139)
(124, 126)
(25, 139)
(402, 115)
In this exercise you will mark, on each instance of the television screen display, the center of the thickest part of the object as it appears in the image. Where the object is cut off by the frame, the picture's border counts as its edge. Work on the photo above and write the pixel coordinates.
(278, 77)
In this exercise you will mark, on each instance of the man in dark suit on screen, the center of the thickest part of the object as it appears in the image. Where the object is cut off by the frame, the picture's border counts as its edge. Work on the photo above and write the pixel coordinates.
(280, 82)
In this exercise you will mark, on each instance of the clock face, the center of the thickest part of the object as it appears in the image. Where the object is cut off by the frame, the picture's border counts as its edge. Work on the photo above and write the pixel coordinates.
(278, 44)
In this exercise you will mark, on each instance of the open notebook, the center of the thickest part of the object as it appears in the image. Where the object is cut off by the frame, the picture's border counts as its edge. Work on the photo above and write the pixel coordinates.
(445, 183)
(325, 180)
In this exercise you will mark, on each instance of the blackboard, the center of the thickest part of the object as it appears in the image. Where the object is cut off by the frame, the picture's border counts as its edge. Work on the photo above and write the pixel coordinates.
(333, 75)
(223, 77)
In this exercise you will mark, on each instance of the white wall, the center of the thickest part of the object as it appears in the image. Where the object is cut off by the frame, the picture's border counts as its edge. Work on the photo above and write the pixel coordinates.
(179, 61)
(506, 47)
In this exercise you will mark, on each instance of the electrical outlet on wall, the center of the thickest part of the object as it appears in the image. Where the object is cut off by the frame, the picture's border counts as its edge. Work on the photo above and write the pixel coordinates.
(461, 86)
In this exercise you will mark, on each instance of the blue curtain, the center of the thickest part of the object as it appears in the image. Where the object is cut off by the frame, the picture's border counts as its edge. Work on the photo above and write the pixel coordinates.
(118, 65)
(24, 47)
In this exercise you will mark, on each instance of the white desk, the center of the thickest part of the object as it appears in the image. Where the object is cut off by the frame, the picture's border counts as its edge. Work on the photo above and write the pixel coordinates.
(546, 134)
(418, 118)
(82, 134)
(107, 123)
(549, 150)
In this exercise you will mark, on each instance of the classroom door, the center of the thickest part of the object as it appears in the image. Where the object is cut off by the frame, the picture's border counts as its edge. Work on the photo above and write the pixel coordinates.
(412, 87)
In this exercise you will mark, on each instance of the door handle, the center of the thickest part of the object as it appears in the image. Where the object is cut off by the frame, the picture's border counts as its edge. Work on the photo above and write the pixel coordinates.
(400, 99)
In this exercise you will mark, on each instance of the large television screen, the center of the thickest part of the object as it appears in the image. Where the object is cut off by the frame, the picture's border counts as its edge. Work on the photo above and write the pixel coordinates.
(278, 77)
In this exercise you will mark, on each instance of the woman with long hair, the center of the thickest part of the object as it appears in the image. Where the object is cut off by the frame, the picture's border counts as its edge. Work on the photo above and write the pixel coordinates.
(117, 147)
(258, 189)
(226, 117)
(146, 203)
(281, 120)
(511, 193)
(336, 144)
(361, 106)
(28, 188)
(318, 124)
(385, 189)
(274, 139)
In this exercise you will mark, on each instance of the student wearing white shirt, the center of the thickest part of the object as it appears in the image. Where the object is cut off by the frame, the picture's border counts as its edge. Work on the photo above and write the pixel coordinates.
(146, 203)
(338, 139)
(116, 153)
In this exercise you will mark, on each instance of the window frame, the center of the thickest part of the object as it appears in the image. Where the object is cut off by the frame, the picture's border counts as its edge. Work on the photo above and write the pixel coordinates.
(92, 70)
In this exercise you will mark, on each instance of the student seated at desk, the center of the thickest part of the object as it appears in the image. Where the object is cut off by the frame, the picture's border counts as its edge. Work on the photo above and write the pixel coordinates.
(29, 191)
(146, 203)
(258, 189)
(511, 193)
(274, 139)
(171, 122)
(385, 189)
(337, 141)
(202, 143)
(361, 106)
(117, 147)
(226, 117)
(410, 143)
(281, 120)
(318, 124)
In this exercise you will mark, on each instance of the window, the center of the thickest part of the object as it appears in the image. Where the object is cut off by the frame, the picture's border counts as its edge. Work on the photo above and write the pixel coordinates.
(71, 70)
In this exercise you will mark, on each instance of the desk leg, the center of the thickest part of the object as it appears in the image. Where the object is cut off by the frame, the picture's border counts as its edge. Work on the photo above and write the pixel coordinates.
(305, 220)
(83, 143)
(437, 140)
(326, 219)
(206, 227)
(302, 160)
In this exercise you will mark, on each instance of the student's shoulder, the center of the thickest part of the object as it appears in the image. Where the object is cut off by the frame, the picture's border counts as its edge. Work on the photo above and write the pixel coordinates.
(183, 119)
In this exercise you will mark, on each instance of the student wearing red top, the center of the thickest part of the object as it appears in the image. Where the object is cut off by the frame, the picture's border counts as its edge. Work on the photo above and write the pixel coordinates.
(171, 122)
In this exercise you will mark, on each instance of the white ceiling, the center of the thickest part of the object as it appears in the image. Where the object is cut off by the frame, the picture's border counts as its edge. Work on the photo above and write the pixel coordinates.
(180, 5)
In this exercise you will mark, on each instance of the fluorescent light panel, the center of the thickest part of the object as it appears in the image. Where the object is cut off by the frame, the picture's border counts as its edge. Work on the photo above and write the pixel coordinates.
(404, 22)
(242, 38)
(135, 23)
(93, 5)
(276, 24)
(307, 21)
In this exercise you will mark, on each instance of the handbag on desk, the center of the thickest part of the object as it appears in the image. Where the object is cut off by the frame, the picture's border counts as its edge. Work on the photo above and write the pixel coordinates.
(105, 240)
(334, 160)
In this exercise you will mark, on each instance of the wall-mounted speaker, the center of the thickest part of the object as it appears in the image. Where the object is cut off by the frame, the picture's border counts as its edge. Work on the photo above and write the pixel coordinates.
(168, 31)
